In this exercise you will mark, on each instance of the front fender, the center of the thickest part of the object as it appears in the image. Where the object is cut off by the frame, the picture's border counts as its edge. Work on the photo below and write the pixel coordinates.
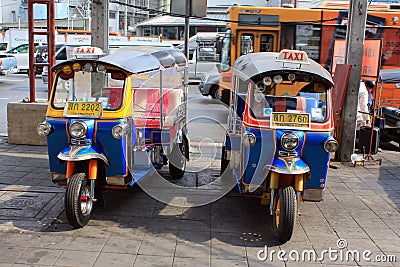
(80, 153)
(289, 165)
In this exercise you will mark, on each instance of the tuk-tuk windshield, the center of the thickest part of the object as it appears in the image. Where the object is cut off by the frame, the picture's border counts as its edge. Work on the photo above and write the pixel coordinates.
(294, 95)
(106, 86)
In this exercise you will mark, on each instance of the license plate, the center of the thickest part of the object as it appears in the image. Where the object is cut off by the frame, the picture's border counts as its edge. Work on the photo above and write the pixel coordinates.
(290, 120)
(83, 109)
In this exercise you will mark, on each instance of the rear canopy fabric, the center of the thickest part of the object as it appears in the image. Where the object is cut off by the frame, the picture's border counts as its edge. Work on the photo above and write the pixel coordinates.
(138, 59)
(247, 66)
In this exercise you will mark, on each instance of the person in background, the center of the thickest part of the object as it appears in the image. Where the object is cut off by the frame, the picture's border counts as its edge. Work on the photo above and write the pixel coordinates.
(370, 85)
(362, 108)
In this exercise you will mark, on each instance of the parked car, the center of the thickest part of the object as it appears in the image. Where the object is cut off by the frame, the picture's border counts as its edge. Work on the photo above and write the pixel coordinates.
(21, 53)
(8, 64)
(41, 56)
(3, 46)
(209, 85)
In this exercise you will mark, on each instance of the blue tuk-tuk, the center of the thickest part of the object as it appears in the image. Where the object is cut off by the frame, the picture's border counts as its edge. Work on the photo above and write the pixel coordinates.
(279, 135)
(114, 119)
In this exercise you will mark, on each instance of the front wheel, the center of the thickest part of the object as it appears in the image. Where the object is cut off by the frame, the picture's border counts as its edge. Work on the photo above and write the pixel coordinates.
(177, 160)
(215, 93)
(284, 216)
(78, 203)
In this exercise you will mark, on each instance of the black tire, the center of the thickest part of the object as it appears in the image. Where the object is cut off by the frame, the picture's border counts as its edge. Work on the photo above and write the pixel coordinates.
(177, 160)
(215, 93)
(78, 212)
(224, 161)
(285, 213)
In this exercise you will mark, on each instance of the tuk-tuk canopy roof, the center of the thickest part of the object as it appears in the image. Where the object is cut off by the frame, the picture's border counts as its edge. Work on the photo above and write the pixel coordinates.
(138, 59)
(250, 65)
(389, 76)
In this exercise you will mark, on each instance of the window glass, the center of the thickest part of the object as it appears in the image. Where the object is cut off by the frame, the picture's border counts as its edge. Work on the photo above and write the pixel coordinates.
(246, 44)
(308, 39)
(82, 86)
(266, 43)
(299, 97)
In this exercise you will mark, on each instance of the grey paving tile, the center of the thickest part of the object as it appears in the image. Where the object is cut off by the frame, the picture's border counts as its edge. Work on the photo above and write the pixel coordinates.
(49, 241)
(193, 262)
(10, 254)
(77, 258)
(87, 244)
(194, 225)
(122, 245)
(227, 263)
(191, 250)
(160, 248)
(197, 237)
(95, 231)
(153, 261)
(19, 240)
(228, 252)
(106, 259)
(39, 256)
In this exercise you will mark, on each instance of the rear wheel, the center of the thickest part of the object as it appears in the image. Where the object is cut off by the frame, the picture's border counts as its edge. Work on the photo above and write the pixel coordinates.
(215, 93)
(78, 203)
(284, 216)
(177, 160)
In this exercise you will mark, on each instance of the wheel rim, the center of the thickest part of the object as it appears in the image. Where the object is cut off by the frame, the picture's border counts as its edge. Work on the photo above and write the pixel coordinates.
(277, 212)
(86, 201)
(183, 158)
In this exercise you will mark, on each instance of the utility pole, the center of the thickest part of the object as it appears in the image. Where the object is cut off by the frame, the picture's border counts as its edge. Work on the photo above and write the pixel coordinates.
(99, 37)
(354, 54)
(99, 25)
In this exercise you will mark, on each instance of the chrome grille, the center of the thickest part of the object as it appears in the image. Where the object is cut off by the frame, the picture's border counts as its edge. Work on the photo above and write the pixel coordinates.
(80, 142)
(287, 153)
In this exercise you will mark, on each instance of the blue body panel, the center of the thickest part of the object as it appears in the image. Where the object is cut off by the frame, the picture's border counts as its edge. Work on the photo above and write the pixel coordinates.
(317, 159)
(257, 158)
(57, 140)
(262, 157)
(104, 145)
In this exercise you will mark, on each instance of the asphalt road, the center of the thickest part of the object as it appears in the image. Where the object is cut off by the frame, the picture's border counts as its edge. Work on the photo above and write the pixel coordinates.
(14, 88)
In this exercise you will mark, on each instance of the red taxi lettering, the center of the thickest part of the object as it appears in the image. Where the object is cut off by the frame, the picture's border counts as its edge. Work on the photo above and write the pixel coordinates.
(90, 50)
(292, 56)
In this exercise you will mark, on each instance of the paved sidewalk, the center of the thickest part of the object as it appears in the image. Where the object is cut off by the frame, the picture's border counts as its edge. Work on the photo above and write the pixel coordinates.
(361, 207)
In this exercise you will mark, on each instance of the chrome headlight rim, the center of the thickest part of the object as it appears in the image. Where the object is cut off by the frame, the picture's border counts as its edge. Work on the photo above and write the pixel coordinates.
(43, 128)
(249, 139)
(81, 127)
(120, 130)
(331, 145)
(289, 136)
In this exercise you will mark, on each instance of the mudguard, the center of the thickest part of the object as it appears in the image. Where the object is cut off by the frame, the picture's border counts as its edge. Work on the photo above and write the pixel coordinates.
(81, 153)
(289, 165)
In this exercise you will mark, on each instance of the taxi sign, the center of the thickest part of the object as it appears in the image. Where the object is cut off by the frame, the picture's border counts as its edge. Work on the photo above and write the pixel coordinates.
(290, 120)
(293, 56)
(87, 52)
(83, 109)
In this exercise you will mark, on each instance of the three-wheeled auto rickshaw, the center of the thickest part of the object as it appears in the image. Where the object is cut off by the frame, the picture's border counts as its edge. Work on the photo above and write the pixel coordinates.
(114, 119)
(279, 135)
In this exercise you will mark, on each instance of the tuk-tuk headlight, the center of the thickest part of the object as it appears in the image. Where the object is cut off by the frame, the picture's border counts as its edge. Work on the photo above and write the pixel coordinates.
(331, 145)
(67, 69)
(43, 128)
(87, 67)
(278, 79)
(249, 139)
(76, 67)
(290, 141)
(120, 130)
(78, 129)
